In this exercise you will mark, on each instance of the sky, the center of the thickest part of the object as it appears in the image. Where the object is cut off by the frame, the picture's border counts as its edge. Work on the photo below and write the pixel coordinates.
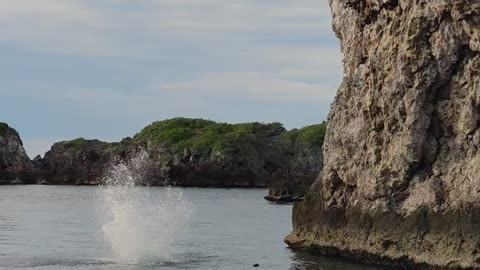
(105, 69)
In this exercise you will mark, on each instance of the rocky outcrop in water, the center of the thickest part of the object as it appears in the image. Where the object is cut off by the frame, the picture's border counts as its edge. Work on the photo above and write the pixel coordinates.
(15, 165)
(401, 183)
(197, 153)
(76, 162)
(180, 151)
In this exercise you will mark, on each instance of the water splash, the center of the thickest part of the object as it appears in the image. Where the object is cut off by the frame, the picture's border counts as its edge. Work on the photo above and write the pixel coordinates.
(141, 224)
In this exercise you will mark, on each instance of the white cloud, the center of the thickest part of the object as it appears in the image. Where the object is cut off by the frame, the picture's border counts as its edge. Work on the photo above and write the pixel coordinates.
(252, 85)
(295, 74)
(137, 27)
(68, 26)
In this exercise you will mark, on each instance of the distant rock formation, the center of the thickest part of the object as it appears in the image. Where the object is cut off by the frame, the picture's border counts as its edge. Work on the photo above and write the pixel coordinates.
(197, 153)
(401, 177)
(76, 162)
(15, 165)
(178, 154)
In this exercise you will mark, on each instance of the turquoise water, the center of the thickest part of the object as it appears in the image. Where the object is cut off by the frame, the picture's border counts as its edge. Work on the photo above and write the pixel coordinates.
(64, 227)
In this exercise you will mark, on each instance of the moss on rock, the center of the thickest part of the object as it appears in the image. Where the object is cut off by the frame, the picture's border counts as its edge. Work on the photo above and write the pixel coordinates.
(312, 135)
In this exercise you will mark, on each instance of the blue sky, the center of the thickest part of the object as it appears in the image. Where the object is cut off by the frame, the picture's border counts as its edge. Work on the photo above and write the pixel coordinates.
(105, 69)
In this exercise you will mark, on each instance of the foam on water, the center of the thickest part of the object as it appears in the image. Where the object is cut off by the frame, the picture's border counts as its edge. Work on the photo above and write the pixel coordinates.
(138, 227)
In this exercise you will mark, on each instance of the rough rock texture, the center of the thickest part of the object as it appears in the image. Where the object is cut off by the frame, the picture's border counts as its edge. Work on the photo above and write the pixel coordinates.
(293, 181)
(77, 162)
(190, 169)
(85, 163)
(15, 165)
(401, 180)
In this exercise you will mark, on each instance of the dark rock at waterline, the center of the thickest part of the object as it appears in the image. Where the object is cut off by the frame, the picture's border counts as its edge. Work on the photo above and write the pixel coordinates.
(400, 183)
(15, 165)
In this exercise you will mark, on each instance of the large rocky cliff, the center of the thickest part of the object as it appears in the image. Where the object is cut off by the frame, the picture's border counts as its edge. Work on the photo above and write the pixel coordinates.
(15, 165)
(401, 180)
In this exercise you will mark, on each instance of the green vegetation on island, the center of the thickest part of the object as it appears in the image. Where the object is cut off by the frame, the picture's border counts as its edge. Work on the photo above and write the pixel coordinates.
(77, 143)
(312, 135)
(82, 143)
(209, 137)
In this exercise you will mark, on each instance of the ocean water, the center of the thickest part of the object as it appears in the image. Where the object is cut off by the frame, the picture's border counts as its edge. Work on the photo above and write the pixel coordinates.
(127, 227)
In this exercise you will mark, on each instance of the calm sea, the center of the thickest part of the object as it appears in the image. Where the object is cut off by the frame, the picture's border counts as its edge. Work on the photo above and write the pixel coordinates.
(65, 227)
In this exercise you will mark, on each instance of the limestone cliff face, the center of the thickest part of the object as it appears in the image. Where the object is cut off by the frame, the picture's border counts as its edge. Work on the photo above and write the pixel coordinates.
(15, 165)
(401, 177)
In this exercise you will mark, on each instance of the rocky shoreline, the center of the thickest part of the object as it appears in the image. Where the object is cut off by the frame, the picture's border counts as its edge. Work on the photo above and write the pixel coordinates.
(182, 152)
(400, 181)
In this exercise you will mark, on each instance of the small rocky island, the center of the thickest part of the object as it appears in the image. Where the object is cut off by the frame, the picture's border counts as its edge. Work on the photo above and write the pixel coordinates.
(15, 165)
(401, 182)
(183, 152)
